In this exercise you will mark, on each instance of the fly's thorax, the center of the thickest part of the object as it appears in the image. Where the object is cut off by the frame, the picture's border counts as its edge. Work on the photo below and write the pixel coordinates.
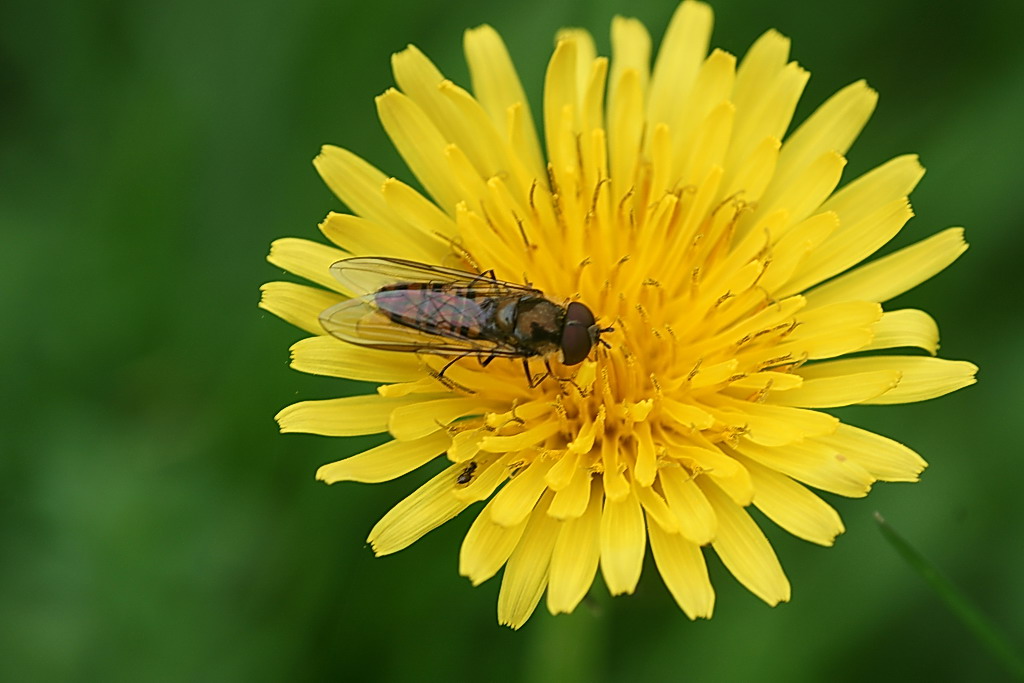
(504, 320)
(538, 325)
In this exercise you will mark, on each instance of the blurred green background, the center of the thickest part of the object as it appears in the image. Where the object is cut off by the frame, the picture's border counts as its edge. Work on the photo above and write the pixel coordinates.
(156, 527)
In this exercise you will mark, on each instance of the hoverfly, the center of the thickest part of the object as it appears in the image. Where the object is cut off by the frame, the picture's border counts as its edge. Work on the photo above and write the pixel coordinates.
(403, 305)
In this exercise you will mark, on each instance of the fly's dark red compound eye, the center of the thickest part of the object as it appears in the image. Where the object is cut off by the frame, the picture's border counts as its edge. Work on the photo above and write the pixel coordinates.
(577, 337)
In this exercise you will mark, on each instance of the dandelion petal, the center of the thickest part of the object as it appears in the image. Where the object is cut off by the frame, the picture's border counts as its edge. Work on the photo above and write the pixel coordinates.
(526, 574)
(745, 551)
(682, 568)
(622, 544)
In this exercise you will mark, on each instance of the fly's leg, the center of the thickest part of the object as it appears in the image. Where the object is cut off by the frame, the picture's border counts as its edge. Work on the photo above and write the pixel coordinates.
(486, 276)
(584, 393)
(564, 380)
(535, 381)
(450, 383)
(526, 371)
(450, 363)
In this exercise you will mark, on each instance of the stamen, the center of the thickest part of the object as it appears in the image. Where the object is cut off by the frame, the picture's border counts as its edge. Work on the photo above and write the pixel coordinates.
(626, 198)
(516, 418)
(695, 371)
(694, 469)
(559, 405)
(597, 192)
(695, 274)
(605, 385)
(772, 362)
(487, 219)
(731, 200)
(735, 433)
(461, 251)
(764, 269)
(522, 233)
(761, 394)
(556, 198)
(551, 179)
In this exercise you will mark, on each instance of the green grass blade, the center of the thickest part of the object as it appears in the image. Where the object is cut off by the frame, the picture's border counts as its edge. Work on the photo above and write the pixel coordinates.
(977, 623)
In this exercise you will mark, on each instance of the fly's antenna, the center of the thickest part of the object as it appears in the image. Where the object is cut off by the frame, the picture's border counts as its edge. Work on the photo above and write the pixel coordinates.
(597, 335)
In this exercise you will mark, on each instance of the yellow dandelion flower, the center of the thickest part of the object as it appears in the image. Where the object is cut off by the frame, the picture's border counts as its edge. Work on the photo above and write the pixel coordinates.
(673, 205)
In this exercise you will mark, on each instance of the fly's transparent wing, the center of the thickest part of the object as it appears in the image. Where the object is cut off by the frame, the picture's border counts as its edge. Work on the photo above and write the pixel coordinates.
(360, 321)
(366, 275)
(409, 306)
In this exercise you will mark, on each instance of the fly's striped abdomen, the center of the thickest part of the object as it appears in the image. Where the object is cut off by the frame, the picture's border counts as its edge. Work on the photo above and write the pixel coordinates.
(436, 309)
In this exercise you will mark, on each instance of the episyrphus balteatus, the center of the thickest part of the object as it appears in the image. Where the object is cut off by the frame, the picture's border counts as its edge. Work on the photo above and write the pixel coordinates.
(403, 305)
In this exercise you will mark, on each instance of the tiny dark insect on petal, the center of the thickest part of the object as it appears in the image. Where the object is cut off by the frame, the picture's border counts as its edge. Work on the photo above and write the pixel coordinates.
(467, 474)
